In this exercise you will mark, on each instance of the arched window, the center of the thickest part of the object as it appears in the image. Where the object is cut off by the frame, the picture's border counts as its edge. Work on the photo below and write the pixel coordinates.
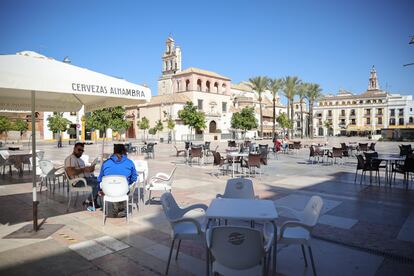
(178, 86)
(166, 66)
(410, 120)
(187, 85)
(171, 65)
(208, 86)
(223, 88)
(216, 87)
(198, 85)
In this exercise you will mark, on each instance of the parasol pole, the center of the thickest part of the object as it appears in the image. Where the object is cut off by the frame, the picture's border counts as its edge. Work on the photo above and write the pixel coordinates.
(35, 202)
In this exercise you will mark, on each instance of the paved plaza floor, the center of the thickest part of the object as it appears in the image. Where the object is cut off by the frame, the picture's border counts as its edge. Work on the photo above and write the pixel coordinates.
(364, 229)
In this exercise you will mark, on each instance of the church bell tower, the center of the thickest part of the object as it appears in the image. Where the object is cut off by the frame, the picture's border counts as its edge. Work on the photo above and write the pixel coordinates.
(171, 64)
(373, 81)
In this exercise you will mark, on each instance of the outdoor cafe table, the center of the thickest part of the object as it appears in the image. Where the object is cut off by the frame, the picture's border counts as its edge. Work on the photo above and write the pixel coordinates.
(18, 159)
(235, 154)
(244, 209)
(389, 159)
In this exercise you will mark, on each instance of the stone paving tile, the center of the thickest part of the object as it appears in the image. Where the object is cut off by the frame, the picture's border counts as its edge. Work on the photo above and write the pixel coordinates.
(372, 213)
(116, 264)
(153, 263)
(43, 258)
(330, 259)
(390, 267)
(407, 230)
(96, 271)
(339, 222)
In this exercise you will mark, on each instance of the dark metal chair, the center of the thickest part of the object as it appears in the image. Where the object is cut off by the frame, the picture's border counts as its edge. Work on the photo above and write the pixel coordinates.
(253, 161)
(405, 169)
(149, 150)
(196, 152)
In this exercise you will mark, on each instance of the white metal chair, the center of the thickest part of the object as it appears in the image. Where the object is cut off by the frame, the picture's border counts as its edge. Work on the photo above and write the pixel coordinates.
(72, 189)
(160, 182)
(115, 188)
(183, 228)
(238, 250)
(142, 170)
(239, 188)
(4, 161)
(300, 230)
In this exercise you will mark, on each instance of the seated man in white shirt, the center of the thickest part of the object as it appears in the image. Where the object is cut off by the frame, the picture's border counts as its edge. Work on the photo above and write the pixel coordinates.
(75, 167)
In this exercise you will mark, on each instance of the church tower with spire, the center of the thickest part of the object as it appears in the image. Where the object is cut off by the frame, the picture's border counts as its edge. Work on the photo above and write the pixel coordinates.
(171, 64)
(373, 81)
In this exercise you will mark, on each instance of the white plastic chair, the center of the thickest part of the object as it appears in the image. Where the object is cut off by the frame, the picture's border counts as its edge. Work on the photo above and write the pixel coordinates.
(183, 228)
(160, 182)
(115, 188)
(49, 173)
(238, 188)
(4, 156)
(39, 156)
(142, 170)
(72, 189)
(238, 250)
(300, 230)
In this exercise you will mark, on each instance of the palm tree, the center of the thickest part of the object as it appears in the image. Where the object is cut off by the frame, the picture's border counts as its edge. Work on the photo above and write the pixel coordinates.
(302, 90)
(274, 86)
(313, 93)
(259, 84)
(291, 85)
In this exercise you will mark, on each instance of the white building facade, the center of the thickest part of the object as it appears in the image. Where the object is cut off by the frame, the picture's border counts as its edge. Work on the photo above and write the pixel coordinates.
(364, 114)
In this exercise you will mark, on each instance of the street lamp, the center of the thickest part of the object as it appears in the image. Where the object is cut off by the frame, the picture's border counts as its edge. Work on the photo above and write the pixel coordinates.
(411, 42)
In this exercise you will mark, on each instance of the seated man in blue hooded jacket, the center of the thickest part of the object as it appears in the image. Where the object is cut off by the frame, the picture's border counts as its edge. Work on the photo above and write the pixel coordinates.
(119, 164)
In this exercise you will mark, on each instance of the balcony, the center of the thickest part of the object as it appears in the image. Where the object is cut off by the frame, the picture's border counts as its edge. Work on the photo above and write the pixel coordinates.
(366, 115)
(379, 115)
(342, 116)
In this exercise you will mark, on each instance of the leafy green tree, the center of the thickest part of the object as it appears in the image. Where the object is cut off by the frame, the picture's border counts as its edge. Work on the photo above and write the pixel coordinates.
(302, 92)
(159, 127)
(152, 131)
(5, 126)
(57, 123)
(143, 124)
(170, 126)
(313, 93)
(120, 125)
(103, 119)
(284, 122)
(274, 86)
(259, 85)
(290, 87)
(328, 125)
(192, 117)
(244, 120)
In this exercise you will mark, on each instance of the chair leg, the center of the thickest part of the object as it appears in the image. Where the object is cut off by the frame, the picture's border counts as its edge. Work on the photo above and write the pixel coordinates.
(104, 212)
(169, 257)
(304, 255)
(311, 257)
(356, 174)
(68, 201)
(127, 210)
(178, 249)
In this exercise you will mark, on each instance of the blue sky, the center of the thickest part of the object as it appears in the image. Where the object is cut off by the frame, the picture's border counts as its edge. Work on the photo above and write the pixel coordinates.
(333, 43)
